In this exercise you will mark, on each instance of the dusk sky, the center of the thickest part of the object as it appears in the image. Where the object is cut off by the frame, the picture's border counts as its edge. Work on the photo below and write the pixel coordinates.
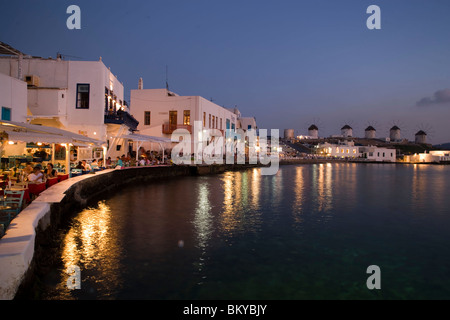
(288, 63)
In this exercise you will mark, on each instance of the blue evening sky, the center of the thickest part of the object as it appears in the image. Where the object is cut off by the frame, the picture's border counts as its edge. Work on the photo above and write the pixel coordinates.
(288, 63)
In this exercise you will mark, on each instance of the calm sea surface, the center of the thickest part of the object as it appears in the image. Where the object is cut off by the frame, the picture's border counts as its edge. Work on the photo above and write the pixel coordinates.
(309, 232)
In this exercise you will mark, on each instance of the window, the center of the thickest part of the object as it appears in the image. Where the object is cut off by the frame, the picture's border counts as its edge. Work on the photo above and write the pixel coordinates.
(210, 120)
(217, 120)
(6, 114)
(147, 115)
(173, 119)
(221, 127)
(204, 119)
(187, 117)
(83, 96)
(249, 127)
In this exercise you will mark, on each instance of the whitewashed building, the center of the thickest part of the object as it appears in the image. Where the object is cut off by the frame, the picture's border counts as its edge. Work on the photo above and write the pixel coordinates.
(433, 156)
(372, 153)
(349, 150)
(13, 99)
(160, 112)
(83, 97)
(344, 150)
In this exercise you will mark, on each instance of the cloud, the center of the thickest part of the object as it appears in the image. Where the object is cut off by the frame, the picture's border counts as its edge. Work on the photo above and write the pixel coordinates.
(440, 96)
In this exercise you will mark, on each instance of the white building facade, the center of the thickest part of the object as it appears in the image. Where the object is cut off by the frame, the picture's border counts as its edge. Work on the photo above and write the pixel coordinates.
(378, 154)
(160, 112)
(83, 97)
(13, 99)
(349, 150)
(433, 156)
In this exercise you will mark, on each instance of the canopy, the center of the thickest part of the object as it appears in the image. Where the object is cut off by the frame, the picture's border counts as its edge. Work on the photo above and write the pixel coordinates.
(19, 131)
(140, 138)
(32, 137)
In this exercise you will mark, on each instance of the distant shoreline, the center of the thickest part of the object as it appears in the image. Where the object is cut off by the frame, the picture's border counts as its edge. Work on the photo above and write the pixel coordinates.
(312, 161)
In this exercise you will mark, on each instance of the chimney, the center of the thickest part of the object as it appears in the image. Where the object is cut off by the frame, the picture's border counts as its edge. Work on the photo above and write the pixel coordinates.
(141, 84)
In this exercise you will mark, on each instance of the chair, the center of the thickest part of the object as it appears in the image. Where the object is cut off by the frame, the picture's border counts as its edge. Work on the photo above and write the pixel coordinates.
(36, 188)
(62, 177)
(52, 181)
(14, 199)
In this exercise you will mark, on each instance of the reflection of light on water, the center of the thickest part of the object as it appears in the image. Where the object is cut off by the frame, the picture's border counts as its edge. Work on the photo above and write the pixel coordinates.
(322, 182)
(229, 219)
(202, 219)
(241, 201)
(297, 206)
(92, 243)
(256, 186)
(203, 222)
(277, 187)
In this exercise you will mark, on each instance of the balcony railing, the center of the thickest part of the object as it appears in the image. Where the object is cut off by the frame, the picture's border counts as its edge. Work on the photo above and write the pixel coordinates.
(170, 128)
(122, 117)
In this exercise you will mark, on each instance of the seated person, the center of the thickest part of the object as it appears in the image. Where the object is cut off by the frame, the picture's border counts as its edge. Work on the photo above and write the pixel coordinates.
(94, 164)
(79, 165)
(86, 166)
(28, 168)
(119, 162)
(37, 176)
(50, 172)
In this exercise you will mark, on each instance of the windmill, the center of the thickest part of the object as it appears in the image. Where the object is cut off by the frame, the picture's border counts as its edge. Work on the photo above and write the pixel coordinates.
(313, 127)
(397, 130)
(423, 133)
(348, 128)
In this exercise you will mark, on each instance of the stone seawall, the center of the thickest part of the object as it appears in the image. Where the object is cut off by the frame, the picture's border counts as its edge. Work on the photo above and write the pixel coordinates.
(26, 238)
(26, 242)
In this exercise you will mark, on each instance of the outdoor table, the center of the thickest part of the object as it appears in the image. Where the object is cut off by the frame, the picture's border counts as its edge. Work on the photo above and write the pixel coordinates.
(26, 194)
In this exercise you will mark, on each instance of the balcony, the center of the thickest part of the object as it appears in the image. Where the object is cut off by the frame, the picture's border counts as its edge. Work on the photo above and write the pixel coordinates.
(170, 128)
(122, 117)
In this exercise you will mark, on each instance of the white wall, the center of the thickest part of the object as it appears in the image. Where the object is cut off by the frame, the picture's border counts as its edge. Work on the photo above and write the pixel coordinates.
(57, 92)
(379, 154)
(13, 95)
(246, 121)
(159, 104)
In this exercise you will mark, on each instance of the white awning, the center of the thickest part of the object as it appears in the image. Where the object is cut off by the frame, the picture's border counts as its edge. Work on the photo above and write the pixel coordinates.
(141, 137)
(35, 137)
(26, 132)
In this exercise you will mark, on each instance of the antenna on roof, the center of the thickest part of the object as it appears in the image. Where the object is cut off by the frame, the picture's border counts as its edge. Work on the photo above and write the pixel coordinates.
(167, 77)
